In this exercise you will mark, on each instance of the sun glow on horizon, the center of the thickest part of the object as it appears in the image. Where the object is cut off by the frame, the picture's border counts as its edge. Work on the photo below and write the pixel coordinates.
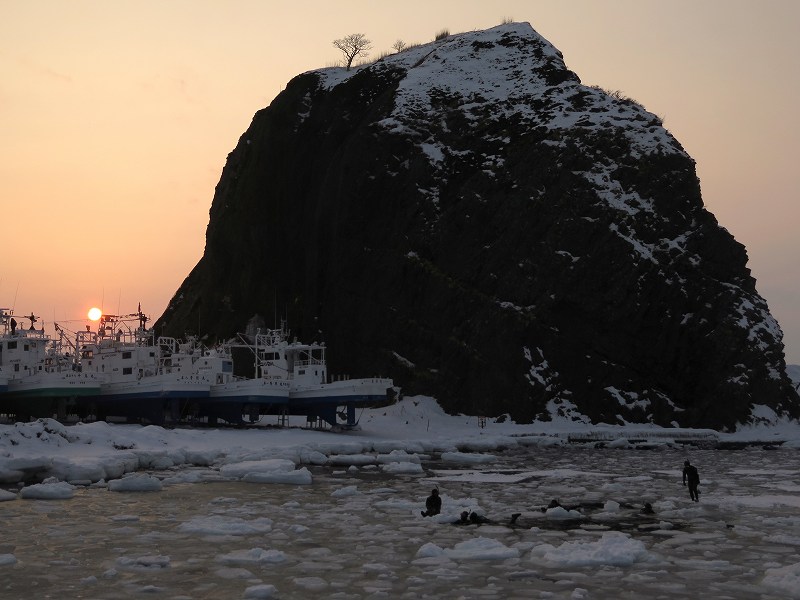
(95, 314)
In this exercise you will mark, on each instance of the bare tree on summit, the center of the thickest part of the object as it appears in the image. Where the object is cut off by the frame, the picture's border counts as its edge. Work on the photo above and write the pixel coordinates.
(353, 45)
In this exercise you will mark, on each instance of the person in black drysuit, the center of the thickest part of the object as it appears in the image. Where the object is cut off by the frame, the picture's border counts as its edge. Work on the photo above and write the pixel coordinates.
(690, 474)
(473, 518)
(433, 504)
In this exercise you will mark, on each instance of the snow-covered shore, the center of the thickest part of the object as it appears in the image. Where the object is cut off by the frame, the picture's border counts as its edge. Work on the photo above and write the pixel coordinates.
(393, 438)
(347, 522)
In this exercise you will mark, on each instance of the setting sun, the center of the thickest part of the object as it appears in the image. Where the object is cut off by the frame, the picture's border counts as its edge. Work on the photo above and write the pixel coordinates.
(95, 314)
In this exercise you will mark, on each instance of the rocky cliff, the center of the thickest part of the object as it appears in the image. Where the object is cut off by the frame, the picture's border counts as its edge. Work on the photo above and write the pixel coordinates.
(468, 218)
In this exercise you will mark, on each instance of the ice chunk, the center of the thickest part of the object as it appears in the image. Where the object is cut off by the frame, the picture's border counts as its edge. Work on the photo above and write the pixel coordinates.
(60, 490)
(295, 477)
(240, 469)
(222, 525)
(260, 591)
(614, 548)
(785, 578)
(138, 482)
(468, 458)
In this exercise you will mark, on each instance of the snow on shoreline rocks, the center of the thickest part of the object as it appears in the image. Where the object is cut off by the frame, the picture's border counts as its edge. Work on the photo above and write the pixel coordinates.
(390, 440)
(93, 453)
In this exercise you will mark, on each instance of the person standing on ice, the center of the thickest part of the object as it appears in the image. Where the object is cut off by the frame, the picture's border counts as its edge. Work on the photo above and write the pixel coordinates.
(433, 505)
(690, 474)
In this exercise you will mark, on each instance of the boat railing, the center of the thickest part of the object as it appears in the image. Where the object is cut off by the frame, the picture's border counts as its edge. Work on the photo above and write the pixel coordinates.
(109, 337)
(169, 344)
(309, 362)
(30, 334)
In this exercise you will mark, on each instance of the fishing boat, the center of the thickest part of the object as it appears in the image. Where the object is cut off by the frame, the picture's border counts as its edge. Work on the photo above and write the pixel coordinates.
(143, 378)
(234, 396)
(42, 380)
(304, 365)
(3, 377)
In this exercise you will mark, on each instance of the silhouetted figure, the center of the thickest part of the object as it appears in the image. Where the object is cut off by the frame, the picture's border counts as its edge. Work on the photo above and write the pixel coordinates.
(433, 504)
(477, 519)
(471, 518)
(690, 474)
(553, 504)
(647, 509)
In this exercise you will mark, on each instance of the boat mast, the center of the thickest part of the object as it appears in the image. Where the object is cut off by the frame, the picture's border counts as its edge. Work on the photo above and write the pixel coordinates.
(256, 359)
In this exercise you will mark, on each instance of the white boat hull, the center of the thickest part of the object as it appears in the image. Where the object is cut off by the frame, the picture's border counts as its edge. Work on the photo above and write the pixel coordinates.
(47, 394)
(155, 398)
(336, 393)
(232, 400)
(156, 386)
(258, 391)
(66, 384)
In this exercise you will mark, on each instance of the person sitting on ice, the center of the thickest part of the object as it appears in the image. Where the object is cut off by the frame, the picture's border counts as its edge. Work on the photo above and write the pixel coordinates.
(647, 509)
(433, 504)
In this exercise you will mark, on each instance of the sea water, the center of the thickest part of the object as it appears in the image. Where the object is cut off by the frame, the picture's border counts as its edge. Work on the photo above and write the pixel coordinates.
(358, 533)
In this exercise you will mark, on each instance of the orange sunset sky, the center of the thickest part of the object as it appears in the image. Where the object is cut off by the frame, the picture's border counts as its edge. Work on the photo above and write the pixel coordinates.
(116, 118)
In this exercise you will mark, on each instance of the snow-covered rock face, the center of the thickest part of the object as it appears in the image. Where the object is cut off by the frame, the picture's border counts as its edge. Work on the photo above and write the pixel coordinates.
(507, 240)
(509, 71)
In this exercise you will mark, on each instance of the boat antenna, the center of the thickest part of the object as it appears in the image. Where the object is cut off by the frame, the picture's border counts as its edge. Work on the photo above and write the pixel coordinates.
(142, 318)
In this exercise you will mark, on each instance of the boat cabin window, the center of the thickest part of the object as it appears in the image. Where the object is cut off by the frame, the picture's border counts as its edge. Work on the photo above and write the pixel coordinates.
(26, 347)
(126, 355)
(12, 345)
(127, 370)
(87, 354)
(301, 372)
